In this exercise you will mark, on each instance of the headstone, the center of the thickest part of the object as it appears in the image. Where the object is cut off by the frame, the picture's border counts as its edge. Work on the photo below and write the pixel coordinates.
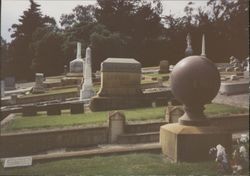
(120, 77)
(2, 88)
(153, 104)
(77, 108)
(160, 81)
(165, 78)
(247, 59)
(154, 78)
(10, 83)
(39, 85)
(173, 113)
(171, 67)
(233, 77)
(13, 99)
(237, 69)
(120, 86)
(203, 47)
(229, 69)
(77, 65)
(189, 50)
(54, 109)
(29, 110)
(164, 66)
(116, 125)
(246, 72)
(87, 88)
(17, 162)
(65, 69)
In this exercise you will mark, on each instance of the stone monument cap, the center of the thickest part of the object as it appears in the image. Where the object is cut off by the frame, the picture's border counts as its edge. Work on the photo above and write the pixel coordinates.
(121, 65)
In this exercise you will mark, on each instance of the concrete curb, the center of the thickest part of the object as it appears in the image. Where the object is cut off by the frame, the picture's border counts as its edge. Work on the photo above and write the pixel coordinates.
(103, 150)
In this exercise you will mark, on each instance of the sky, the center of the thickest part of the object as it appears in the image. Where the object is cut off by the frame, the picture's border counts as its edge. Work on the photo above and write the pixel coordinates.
(11, 10)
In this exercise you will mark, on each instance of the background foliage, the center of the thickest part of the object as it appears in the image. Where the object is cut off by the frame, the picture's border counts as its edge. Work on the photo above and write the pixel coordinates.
(123, 28)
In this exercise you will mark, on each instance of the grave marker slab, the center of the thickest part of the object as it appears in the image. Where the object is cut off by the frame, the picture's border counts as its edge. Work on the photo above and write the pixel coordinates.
(17, 162)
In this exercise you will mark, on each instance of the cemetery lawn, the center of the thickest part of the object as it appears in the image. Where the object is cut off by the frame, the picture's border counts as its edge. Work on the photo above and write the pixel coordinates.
(123, 165)
(100, 118)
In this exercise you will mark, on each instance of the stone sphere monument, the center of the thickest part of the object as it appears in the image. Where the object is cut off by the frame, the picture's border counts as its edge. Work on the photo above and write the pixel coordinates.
(194, 81)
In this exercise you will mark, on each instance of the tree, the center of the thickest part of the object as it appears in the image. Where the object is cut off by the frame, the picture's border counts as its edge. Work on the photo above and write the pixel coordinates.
(22, 34)
(5, 61)
(46, 48)
(80, 14)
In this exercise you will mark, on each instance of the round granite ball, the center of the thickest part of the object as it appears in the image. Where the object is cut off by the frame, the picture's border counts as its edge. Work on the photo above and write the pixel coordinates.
(195, 81)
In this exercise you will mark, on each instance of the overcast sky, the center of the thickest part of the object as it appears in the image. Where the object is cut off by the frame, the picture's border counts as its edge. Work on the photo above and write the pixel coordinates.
(11, 10)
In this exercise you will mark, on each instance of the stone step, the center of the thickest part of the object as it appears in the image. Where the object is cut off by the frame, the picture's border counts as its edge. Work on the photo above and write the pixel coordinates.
(136, 138)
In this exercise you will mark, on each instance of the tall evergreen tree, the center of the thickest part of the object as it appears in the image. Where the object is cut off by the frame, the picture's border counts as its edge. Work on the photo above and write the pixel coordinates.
(22, 36)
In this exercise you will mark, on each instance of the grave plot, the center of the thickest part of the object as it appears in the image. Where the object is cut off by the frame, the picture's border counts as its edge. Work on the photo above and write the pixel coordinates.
(66, 119)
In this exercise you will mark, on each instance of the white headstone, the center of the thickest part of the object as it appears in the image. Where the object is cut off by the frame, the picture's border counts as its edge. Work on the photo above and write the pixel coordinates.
(203, 47)
(2, 88)
(17, 162)
(247, 64)
(77, 65)
(87, 88)
(189, 50)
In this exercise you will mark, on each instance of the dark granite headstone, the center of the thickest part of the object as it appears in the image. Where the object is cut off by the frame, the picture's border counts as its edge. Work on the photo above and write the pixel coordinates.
(77, 108)
(29, 110)
(10, 83)
(54, 109)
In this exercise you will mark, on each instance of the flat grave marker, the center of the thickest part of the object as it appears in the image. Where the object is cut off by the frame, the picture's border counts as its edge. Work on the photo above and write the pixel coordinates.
(17, 162)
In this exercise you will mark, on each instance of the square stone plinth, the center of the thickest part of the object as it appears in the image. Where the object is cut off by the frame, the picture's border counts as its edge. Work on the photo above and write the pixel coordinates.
(120, 77)
(113, 103)
(182, 143)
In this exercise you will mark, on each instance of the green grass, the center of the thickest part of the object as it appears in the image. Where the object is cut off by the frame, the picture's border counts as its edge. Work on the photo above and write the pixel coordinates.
(66, 119)
(122, 165)
(222, 110)
(97, 118)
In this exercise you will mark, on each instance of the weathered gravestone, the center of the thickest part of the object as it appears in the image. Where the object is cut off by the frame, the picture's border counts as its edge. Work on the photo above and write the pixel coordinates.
(77, 65)
(120, 85)
(54, 109)
(189, 50)
(39, 85)
(164, 66)
(77, 108)
(116, 125)
(17, 162)
(2, 88)
(173, 113)
(9, 83)
(29, 110)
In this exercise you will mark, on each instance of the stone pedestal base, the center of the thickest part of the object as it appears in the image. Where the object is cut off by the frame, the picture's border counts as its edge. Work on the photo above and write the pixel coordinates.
(113, 103)
(190, 143)
(86, 94)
